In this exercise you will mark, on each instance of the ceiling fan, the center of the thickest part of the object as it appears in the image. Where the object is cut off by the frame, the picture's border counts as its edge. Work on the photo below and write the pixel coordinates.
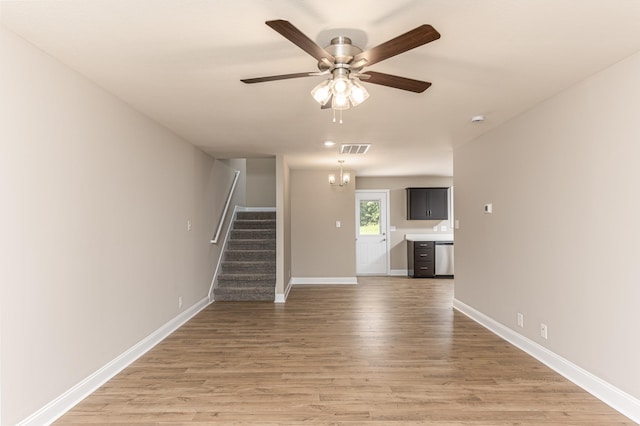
(343, 63)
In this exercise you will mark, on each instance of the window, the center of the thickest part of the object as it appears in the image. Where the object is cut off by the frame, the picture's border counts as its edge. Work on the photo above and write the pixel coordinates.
(370, 217)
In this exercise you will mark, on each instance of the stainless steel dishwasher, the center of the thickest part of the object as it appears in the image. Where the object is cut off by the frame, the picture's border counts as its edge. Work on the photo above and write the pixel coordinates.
(444, 259)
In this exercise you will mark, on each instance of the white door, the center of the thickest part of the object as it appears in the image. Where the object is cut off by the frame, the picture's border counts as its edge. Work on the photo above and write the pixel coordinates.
(372, 245)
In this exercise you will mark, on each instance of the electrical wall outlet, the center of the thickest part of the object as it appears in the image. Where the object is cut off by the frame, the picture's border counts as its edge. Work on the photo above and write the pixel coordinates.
(179, 302)
(188, 224)
(520, 320)
(543, 331)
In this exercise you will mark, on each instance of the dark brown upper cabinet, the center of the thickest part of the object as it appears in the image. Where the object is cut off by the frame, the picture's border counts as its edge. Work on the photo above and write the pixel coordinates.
(427, 203)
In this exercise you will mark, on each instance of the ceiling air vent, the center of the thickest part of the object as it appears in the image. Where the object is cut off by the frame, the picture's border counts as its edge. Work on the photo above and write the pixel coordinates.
(360, 148)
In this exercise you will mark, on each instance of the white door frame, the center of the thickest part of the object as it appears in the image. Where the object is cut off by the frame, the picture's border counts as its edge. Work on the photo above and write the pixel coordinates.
(386, 230)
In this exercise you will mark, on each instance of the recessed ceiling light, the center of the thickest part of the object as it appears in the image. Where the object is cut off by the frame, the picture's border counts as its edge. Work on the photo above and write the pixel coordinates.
(329, 143)
(477, 119)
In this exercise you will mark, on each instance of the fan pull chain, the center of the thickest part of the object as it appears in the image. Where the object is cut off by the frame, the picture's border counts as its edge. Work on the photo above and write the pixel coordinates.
(334, 115)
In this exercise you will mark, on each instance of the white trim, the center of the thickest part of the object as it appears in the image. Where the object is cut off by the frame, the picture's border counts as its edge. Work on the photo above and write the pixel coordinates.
(282, 298)
(63, 403)
(399, 273)
(606, 392)
(323, 280)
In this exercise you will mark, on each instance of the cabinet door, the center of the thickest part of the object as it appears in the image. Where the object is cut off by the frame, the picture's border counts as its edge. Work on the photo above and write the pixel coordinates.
(417, 204)
(438, 204)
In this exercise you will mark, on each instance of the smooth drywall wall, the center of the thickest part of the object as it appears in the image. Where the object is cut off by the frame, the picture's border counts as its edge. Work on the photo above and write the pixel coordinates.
(95, 249)
(318, 247)
(283, 227)
(261, 182)
(561, 244)
(240, 192)
(398, 211)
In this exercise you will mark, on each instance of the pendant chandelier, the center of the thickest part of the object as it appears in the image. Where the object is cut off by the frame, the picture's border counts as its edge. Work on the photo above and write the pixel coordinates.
(344, 178)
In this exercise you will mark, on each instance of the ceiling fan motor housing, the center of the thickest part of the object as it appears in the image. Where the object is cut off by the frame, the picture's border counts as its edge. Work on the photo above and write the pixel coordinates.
(341, 49)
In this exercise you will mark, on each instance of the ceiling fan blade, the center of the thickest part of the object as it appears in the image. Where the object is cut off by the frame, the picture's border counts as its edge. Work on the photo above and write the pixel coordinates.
(276, 77)
(396, 82)
(294, 35)
(416, 37)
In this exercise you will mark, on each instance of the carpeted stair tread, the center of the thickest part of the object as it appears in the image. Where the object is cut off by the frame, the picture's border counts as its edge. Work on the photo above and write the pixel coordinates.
(255, 215)
(246, 277)
(248, 267)
(252, 234)
(255, 224)
(245, 295)
(250, 255)
(251, 244)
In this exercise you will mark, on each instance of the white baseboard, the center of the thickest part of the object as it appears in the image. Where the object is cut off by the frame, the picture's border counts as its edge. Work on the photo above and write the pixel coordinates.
(63, 403)
(323, 280)
(282, 298)
(399, 273)
(606, 392)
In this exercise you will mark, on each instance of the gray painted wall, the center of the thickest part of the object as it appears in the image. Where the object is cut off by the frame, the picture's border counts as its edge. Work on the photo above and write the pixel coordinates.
(318, 248)
(562, 243)
(95, 249)
(261, 182)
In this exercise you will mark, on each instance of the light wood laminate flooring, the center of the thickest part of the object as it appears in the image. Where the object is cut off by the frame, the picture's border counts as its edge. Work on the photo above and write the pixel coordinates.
(388, 351)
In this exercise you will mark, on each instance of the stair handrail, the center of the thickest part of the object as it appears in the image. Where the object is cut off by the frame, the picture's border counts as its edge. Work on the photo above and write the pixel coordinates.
(223, 216)
(222, 250)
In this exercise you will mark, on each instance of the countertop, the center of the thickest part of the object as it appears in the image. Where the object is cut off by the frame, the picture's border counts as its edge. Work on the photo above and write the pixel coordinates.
(428, 237)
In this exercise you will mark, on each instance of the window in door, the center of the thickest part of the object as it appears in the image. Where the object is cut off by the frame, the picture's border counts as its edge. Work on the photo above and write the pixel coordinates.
(370, 217)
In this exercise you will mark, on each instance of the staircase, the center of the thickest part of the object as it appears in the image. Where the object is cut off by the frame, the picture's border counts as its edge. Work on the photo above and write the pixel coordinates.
(248, 268)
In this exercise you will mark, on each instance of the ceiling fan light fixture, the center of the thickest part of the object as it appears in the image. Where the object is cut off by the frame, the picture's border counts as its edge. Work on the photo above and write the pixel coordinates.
(322, 92)
(341, 86)
(358, 92)
(340, 102)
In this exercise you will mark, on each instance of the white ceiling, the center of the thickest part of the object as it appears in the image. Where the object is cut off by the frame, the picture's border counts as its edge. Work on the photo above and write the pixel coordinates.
(181, 61)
